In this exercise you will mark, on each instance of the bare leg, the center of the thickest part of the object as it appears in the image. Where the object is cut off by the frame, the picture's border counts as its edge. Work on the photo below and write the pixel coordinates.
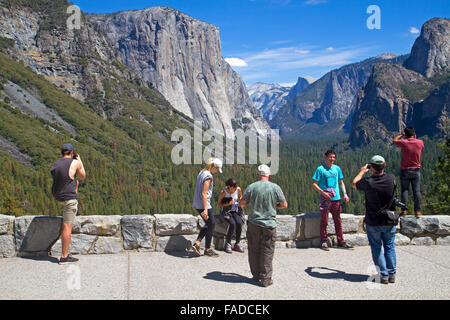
(65, 239)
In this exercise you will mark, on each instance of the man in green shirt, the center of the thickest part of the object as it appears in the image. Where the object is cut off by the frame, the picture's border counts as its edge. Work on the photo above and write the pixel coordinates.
(263, 198)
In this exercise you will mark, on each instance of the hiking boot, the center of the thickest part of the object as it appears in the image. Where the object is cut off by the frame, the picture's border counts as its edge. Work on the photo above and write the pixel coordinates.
(344, 245)
(267, 282)
(324, 246)
(228, 248)
(418, 214)
(403, 214)
(384, 281)
(67, 259)
(237, 247)
(196, 249)
(391, 280)
(211, 253)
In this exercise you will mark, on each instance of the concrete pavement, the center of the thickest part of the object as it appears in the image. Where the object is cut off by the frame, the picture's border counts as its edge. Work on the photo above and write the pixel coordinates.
(299, 274)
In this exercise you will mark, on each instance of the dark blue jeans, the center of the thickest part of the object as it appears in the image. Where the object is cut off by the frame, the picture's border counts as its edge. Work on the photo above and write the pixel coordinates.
(383, 237)
(407, 177)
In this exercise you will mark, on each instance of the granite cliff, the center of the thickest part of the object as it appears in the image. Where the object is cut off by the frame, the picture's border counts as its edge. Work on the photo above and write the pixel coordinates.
(415, 94)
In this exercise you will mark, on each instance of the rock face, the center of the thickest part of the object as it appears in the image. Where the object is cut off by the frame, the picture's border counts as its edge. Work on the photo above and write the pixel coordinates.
(416, 94)
(182, 58)
(431, 50)
(268, 98)
(331, 98)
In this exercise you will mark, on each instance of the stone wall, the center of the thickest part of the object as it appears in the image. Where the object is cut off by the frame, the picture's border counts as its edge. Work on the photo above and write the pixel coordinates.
(177, 232)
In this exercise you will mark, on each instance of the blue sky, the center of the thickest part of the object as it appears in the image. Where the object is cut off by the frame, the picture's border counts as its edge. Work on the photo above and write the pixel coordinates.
(276, 41)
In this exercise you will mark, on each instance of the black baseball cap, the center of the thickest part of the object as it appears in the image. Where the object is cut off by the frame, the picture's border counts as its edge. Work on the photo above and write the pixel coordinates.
(67, 147)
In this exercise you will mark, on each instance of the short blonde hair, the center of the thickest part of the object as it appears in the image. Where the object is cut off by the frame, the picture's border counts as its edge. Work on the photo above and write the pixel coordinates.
(209, 165)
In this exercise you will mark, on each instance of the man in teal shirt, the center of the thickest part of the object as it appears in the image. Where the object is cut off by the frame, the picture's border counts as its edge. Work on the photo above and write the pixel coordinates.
(263, 198)
(326, 181)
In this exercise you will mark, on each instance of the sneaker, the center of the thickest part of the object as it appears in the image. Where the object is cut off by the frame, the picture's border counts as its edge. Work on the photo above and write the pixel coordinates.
(344, 245)
(324, 246)
(237, 247)
(267, 282)
(403, 214)
(67, 259)
(391, 280)
(384, 281)
(196, 249)
(418, 214)
(211, 253)
(228, 248)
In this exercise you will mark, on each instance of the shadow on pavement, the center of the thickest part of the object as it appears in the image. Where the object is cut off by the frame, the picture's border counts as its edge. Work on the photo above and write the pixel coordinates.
(182, 254)
(229, 277)
(336, 275)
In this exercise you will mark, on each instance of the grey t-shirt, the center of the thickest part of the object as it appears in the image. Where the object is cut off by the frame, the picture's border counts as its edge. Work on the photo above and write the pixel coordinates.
(201, 178)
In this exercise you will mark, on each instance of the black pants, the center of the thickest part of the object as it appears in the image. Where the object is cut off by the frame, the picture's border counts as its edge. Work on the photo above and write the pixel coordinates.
(235, 221)
(208, 229)
(407, 177)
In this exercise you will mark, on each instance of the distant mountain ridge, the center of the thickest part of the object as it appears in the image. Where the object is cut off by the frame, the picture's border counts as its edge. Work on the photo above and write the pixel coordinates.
(416, 93)
(329, 100)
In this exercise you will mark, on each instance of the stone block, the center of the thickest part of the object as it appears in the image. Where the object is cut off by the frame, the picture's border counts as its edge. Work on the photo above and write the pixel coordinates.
(310, 225)
(7, 246)
(175, 243)
(41, 233)
(175, 224)
(443, 241)
(21, 225)
(137, 231)
(287, 227)
(6, 224)
(401, 240)
(422, 241)
(79, 244)
(350, 223)
(355, 239)
(97, 225)
(221, 228)
(107, 245)
(412, 226)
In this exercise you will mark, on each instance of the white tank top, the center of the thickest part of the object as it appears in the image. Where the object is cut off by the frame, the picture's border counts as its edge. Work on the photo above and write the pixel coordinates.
(234, 196)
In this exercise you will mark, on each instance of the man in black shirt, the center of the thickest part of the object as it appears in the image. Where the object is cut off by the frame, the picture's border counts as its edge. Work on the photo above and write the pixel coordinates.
(379, 192)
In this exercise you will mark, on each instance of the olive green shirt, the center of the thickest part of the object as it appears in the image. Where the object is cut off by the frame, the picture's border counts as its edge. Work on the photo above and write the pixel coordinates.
(262, 197)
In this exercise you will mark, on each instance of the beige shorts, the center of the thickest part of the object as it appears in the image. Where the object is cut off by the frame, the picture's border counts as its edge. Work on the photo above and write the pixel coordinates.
(70, 208)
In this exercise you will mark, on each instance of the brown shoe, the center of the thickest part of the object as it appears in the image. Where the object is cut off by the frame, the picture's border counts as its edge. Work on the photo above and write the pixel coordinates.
(403, 214)
(384, 281)
(391, 280)
(418, 214)
(266, 283)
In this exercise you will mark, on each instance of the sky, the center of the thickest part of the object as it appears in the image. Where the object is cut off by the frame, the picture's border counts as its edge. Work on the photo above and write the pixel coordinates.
(277, 41)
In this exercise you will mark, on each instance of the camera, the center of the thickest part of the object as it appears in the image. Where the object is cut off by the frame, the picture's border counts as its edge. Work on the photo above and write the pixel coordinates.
(369, 166)
(400, 204)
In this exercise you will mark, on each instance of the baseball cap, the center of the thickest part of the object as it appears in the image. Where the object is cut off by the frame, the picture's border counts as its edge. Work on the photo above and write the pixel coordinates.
(218, 163)
(67, 147)
(377, 160)
(264, 170)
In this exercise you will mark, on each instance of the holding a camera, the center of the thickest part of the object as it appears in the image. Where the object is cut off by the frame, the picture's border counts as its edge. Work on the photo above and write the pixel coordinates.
(380, 218)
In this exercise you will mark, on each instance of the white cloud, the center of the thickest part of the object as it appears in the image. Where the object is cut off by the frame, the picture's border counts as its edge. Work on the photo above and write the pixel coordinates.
(301, 51)
(236, 62)
(414, 30)
(330, 49)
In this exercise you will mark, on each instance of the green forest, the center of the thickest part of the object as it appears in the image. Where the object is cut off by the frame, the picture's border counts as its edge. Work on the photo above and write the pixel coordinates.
(128, 157)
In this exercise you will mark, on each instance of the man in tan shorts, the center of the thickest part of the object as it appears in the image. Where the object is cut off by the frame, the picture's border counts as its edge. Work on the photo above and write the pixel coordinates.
(64, 189)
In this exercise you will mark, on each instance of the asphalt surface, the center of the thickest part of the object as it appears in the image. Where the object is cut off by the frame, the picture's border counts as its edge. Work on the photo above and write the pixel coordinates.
(299, 274)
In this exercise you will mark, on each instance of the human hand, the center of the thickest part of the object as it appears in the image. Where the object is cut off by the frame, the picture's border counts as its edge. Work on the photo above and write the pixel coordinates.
(204, 214)
(346, 198)
(365, 168)
(326, 195)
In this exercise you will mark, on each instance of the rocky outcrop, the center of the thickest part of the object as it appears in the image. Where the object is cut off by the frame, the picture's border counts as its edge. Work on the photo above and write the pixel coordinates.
(415, 94)
(332, 98)
(182, 58)
(268, 98)
(430, 53)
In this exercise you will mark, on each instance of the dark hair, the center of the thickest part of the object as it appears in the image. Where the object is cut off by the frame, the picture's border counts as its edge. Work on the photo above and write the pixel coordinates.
(331, 151)
(409, 132)
(231, 183)
(378, 167)
(65, 152)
